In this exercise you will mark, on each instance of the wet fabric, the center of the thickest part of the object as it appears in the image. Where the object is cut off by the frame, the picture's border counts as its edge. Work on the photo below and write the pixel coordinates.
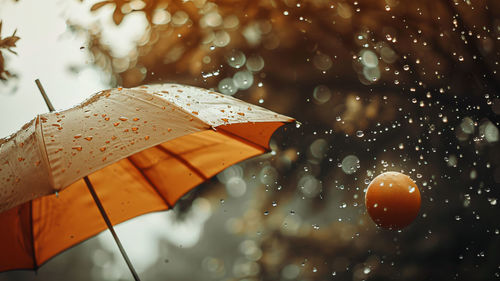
(143, 148)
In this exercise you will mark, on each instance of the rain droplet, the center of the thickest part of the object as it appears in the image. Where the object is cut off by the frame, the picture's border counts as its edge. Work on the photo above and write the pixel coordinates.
(243, 79)
(78, 147)
(360, 134)
(227, 86)
(236, 59)
(123, 118)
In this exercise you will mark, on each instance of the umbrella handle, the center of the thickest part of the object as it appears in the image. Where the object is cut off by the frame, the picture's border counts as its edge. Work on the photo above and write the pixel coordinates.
(94, 195)
(110, 227)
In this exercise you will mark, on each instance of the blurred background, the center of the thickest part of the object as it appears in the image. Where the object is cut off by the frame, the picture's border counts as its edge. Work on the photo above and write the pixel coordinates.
(377, 85)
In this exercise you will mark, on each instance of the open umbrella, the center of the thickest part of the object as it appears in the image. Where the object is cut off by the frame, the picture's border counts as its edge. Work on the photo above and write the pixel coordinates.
(142, 148)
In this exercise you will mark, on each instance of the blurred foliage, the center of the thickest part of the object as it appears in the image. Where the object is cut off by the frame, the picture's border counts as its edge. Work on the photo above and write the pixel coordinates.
(6, 43)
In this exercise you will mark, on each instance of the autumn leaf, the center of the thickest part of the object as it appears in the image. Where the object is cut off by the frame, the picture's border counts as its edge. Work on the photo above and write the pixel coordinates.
(118, 15)
(6, 43)
(4, 74)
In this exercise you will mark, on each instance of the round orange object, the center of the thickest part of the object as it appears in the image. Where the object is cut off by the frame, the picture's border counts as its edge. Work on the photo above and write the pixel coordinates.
(392, 200)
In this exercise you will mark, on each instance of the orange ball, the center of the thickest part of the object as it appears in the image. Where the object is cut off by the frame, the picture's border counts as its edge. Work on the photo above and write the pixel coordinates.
(392, 200)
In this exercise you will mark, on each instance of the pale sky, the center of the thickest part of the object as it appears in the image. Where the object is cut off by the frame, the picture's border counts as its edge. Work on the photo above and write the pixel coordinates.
(45, 51)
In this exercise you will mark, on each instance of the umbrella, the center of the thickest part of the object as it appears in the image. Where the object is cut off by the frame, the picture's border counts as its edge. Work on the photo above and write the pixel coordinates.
(142, 148)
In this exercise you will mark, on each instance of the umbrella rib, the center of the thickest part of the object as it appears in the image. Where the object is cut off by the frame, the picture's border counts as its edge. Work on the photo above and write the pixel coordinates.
(149, 182)
(183, 161)
(32, 236)
(246, 141)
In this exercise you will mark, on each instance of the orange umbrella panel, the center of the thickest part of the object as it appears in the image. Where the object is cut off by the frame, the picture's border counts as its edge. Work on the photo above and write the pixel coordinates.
(150, 180)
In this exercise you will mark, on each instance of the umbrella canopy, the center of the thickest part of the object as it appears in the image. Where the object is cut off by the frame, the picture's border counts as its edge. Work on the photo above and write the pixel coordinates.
(143, 148)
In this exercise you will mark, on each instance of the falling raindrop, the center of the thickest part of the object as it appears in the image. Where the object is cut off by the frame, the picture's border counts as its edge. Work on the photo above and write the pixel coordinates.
(227, 86)
(236, 59)
(350, 164)
(243, 79)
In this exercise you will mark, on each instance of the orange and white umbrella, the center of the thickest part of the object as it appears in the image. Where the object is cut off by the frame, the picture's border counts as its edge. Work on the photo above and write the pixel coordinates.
(142, 148)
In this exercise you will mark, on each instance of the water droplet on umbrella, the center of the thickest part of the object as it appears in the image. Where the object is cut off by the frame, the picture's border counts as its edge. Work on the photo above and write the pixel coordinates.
(78, 147)
(146, 138)
(116, 123)
(102, 148)
(123, 118)
(89, 138)
(78, 136)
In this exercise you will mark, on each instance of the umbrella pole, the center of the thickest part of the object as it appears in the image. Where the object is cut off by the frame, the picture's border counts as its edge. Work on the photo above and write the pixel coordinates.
(110, 227)
(95, 197)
